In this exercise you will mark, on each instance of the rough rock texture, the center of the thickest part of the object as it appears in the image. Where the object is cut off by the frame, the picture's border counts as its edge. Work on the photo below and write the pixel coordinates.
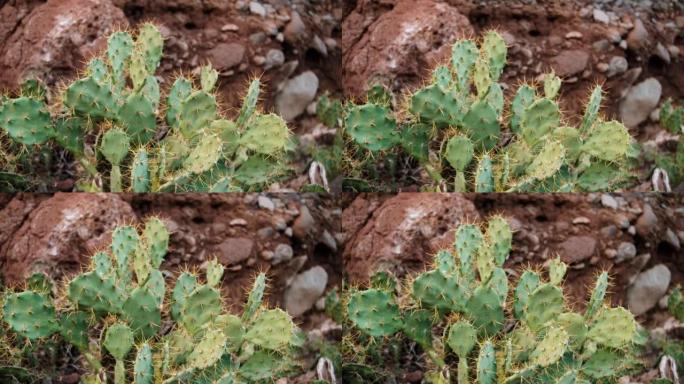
(399, 46)
(63, 230)
(648, 287)
(306, 288)
(640, 101)
(570, 63)
(296, 95)
(577, 249)
(55, 38)
(402, 230)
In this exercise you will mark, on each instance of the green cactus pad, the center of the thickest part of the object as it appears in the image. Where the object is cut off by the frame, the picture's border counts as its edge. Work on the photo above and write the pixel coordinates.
(272, 329)
(613, 327)
(202, 306)
(482, 125)
(545, 303)
(125, 241)
(523, 99)
(608, 141)
(485, 311)
(39, 283)
(482, 77)
(93, 292)
(597, 296)
(208, 78)
(434, 105)
(90, 98)
(101, 264)
(415, 140)
(26, 120)
(459, 152)
(156, 238)
(208, 351)
(142, 313)
(254, 299)
(552, 85)
(260, 366)
(538, 120)
(156, 286)
(196, 113)
(574, 325)
(143, 368)
(204, 156)
(139, 118)
(461, 338)
(547, 162)
(445, 263)
(119, 51)
(418, 326)
(495, 50)
(484, 175)
(592, 110)
(249, 103)
(118, 340)
(372, 127)
(498, 282)
(69, 134)
(185, 285)
(464, 54)
(74, 329)
(469, 238)
(151, 43)
(500, 238)
(433, 289)
(34, 89)
(486, 364)
(374, 312)
(551, 348)
(214, 273)
(265, 134)
(181, 90)
(97, 69)
(603, 363)
(557, 270)
(140, 171)
(30, 314)
(231, 326)
(114, 145)
(529, 281)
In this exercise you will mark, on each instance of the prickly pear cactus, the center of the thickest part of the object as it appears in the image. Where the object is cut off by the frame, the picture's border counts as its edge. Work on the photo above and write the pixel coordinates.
(119, 303)
(119, 100)
(464, 150)
(465, 299)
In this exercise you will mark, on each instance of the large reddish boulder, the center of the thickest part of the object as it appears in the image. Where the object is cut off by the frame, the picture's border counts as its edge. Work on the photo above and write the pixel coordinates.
(400, 232)
(398, 47)
(55, 38)
(59, 234)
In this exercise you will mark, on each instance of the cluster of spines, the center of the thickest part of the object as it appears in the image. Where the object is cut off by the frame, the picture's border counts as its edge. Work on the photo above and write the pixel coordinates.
(467, 294)
(123, 293)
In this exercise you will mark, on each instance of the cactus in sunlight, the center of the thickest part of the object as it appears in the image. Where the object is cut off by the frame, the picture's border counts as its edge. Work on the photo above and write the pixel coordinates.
(458, 118)
(121, 297)
(466, 296)
(118, 99)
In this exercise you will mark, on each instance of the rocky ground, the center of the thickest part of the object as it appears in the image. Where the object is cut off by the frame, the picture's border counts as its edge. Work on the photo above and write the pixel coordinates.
(632, 48)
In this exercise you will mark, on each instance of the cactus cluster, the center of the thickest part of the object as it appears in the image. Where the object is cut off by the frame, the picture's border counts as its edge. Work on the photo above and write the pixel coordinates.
(180, 143)
(455, 127)
(121, 306)
(475, 328)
